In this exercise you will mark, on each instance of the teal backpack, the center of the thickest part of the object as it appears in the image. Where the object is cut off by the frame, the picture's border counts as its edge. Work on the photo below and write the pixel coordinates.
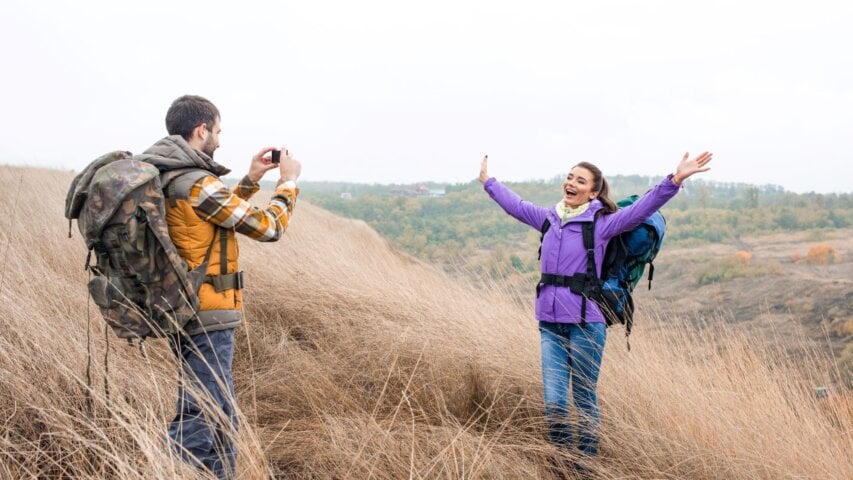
(624, 263)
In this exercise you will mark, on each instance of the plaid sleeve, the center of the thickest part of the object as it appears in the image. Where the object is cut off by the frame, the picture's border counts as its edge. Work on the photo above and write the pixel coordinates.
(246, 188)
(212, 201)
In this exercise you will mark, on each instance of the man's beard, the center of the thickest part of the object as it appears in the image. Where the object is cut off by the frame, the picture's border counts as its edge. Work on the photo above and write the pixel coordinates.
(208, 147)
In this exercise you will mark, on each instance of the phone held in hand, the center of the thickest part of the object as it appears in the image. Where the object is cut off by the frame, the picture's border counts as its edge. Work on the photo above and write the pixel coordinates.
(276, 156)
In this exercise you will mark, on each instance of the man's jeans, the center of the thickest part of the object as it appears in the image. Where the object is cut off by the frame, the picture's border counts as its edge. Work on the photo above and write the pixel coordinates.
(204, 429)
(571, 356)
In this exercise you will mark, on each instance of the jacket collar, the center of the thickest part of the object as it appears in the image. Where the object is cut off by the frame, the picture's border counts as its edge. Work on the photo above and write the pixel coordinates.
(174, 152)
(587, 216)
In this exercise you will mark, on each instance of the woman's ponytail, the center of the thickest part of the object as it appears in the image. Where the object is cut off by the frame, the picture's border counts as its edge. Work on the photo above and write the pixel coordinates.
(608, 205)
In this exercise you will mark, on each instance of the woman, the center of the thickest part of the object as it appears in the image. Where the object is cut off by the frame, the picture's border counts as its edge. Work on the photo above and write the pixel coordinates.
(572, 330)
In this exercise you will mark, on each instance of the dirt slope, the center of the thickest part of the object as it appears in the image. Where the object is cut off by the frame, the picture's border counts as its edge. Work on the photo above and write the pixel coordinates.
(789, 294)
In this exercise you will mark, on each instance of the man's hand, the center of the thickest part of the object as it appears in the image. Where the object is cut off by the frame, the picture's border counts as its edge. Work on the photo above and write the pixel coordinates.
(290, 167)
(261, 164)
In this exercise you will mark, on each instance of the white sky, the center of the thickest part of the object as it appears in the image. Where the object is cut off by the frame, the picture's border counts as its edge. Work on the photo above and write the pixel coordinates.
(398, 91)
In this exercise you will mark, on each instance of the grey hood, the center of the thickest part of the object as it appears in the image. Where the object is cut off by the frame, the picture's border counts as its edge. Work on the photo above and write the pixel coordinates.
(173, 152)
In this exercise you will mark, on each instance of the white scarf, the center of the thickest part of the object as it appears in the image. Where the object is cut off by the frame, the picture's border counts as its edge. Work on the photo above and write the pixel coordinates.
(567, 213)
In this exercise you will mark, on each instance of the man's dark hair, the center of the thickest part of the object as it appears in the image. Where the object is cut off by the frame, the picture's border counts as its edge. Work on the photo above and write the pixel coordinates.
(187, 113)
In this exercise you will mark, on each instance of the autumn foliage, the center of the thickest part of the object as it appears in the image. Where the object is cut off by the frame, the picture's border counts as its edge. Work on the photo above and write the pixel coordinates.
(823, 254)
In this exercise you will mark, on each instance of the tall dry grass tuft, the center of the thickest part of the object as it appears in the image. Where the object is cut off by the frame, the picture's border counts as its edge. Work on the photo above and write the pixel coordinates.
(359, 362)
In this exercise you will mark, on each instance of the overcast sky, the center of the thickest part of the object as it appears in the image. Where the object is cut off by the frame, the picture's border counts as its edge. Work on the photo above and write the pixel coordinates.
(397, 91)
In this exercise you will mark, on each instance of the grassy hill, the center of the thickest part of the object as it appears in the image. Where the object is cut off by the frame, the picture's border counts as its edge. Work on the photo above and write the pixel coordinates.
(357, 361)
(743, 250)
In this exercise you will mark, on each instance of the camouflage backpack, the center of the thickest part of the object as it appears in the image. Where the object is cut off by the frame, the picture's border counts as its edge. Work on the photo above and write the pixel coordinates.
(139, 281)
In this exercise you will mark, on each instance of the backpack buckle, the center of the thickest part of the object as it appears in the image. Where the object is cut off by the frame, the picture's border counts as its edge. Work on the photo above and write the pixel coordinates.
(227, 281)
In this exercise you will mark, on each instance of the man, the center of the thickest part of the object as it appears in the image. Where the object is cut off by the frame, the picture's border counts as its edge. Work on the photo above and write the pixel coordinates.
(204, 216)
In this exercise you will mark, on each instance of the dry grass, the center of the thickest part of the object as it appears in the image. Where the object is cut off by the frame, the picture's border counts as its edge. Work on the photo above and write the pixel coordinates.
(358, 362)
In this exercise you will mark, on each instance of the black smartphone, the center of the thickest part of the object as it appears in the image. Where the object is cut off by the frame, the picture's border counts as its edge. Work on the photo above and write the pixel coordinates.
(276, 156)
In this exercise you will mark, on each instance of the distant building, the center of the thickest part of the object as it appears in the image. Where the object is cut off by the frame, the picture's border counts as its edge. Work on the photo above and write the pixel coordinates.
(346, 195)
(419, 191)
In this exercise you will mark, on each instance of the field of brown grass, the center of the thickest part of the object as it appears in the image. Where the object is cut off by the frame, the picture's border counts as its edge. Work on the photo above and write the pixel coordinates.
(359, 362)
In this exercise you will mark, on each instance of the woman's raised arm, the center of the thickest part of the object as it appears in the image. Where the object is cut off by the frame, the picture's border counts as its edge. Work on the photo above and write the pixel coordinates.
(633, 215)
(523, 211)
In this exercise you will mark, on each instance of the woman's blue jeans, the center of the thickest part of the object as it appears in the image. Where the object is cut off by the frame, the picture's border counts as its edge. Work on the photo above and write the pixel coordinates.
(571, 359)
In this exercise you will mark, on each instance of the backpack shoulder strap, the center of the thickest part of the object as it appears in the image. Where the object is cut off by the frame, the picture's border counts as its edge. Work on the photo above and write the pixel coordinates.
(591, 281)
(588, 231)
(657, 226)
(546, 225)
(178, 183)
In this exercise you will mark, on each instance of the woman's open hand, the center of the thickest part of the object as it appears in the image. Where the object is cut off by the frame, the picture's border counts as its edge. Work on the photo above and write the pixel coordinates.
(484, 169)
(688, 167)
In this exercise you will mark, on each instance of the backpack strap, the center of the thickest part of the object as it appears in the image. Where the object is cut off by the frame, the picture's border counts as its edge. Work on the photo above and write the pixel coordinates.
(546, 225)
(658, 223)
(590, 280)
(177, 183)
(223, 252)
(224, 281)
(651, 273)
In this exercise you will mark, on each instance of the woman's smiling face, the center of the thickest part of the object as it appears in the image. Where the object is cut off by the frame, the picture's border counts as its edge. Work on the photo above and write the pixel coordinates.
(577, 188)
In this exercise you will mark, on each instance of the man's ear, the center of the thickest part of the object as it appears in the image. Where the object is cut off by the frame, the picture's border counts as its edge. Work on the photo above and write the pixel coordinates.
(200, 132)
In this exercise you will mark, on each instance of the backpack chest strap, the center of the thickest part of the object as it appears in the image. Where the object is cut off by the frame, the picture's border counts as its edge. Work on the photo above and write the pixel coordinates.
(578, 283)
(226, 281)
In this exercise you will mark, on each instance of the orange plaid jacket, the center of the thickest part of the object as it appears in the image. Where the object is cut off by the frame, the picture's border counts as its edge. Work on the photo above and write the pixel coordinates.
(212, 201)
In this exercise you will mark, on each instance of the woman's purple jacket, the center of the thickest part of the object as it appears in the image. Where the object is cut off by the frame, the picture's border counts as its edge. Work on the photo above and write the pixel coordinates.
(562, 247)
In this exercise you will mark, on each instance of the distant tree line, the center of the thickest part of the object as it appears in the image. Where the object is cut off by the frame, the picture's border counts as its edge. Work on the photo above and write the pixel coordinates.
(465, 226)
